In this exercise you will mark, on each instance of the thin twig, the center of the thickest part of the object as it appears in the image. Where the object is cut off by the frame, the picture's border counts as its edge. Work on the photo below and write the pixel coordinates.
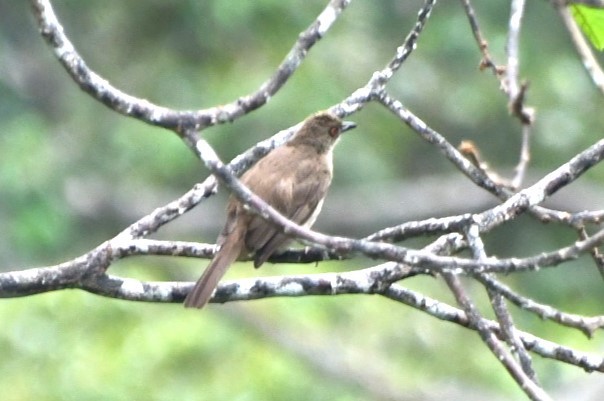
(525, 157)
(531, 389)
(544, 348)
(513, 49)
(502, 313)
(591, 64)
(487, 60)
(597, 257)
(587, 324)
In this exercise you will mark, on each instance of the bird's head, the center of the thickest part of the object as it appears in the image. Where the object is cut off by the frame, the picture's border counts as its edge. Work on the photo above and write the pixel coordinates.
(321, 130)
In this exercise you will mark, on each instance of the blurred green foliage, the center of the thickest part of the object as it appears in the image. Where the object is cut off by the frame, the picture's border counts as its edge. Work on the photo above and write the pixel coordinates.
(73, 173)
(591, 21)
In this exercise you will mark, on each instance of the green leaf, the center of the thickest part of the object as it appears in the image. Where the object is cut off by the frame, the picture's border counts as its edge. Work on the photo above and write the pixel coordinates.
(591, 21)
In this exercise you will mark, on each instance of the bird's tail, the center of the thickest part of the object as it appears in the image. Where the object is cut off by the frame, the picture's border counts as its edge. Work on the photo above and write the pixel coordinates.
(203, 289)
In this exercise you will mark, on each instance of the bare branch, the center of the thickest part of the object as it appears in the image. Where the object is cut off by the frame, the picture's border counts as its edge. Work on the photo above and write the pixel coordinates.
(528, 379)
(544, 348)
(448, 150)
(512, 47)
(597, 257)
(533, 391)
(100, 89)
(98, 260)
(588, 325)
(487, 60)
(591, 64)
(525, 157)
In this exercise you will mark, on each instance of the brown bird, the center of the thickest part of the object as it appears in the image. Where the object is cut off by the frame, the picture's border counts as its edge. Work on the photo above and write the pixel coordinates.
(293, 179)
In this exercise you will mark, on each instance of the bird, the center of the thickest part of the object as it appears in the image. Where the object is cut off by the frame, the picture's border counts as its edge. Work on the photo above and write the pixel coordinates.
(293, 179)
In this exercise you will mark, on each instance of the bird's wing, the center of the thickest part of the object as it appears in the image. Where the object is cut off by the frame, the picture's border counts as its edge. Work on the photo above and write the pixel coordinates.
(279, 193)
(308, 195)
(298, 196)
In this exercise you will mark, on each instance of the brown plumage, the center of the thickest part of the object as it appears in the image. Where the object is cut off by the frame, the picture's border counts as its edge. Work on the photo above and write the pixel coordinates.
(293, 179)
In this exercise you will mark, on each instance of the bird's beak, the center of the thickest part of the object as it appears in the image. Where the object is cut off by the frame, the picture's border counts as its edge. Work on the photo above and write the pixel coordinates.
(348, 125)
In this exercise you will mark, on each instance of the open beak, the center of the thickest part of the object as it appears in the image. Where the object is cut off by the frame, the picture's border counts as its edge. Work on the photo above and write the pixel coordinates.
(348, 125)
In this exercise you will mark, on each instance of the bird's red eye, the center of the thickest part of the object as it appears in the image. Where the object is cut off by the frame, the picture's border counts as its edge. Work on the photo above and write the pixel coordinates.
(334, 131)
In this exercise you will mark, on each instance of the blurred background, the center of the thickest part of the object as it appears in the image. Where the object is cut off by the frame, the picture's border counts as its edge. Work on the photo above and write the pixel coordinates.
(73, 174)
